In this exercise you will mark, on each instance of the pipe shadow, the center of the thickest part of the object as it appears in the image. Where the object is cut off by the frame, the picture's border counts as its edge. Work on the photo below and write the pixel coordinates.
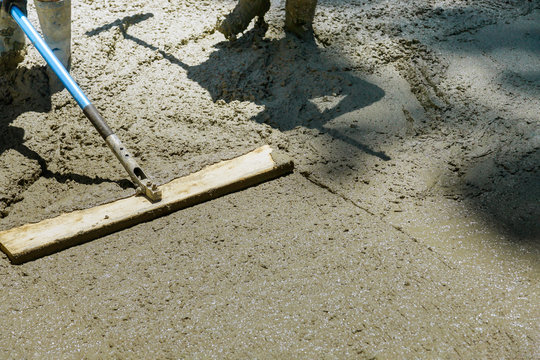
(125, 22)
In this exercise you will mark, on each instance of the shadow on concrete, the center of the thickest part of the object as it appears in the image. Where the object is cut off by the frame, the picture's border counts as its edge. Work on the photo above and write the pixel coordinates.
(21, 91)
(234, 72)
(507, 189)
(123, 23)
(526, 82)
(508, 195)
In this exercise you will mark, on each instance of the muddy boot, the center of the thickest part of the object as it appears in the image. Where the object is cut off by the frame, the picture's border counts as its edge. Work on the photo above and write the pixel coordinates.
(238, 20)
(55, 21)
(12, 42)
(299, 16)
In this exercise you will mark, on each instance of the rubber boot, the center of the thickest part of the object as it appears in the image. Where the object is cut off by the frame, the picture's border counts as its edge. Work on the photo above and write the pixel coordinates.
(55, 21)
(299, 16)
(12, 43)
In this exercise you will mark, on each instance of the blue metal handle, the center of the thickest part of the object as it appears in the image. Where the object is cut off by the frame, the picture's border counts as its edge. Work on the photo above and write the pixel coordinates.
(144, 184)
(49, 57)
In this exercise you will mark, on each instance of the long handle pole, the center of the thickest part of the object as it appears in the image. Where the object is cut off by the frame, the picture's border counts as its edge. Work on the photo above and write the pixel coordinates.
(144, 184)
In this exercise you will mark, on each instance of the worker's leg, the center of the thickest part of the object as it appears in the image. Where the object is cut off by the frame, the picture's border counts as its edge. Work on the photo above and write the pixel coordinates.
(12, 40)
(299, 16)
(55, 21)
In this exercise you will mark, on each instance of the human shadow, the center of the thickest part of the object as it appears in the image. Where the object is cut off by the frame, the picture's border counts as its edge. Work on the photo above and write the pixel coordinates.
(284, 75)
(21, 91)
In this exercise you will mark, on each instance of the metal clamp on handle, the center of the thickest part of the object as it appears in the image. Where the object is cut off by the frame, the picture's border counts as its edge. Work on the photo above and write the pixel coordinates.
(144, 184)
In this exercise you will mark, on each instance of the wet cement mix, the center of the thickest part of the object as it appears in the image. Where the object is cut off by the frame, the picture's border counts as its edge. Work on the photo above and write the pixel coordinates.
(409, 229)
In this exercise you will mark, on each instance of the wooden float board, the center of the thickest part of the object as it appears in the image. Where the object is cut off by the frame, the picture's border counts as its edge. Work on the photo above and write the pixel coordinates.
(34, 240)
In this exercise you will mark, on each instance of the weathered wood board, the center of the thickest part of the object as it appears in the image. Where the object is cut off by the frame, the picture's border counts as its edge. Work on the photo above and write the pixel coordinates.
(31, 241)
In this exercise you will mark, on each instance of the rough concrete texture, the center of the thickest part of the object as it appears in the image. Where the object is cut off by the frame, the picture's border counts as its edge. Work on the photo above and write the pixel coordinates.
(409, 229)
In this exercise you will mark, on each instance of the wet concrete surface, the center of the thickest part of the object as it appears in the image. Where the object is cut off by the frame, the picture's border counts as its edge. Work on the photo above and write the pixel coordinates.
(409, 229)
